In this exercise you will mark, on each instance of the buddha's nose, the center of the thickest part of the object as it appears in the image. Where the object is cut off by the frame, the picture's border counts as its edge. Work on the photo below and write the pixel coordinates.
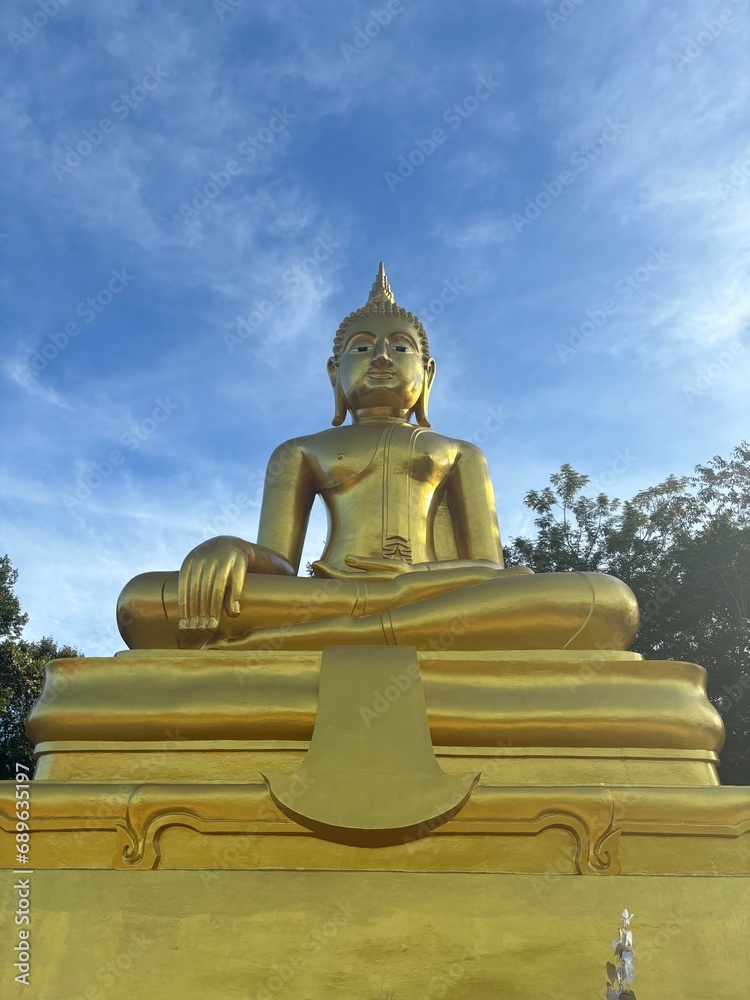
(382, 358)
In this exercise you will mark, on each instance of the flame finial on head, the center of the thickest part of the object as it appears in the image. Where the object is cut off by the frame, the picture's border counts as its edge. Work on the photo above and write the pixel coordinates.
(381, 290)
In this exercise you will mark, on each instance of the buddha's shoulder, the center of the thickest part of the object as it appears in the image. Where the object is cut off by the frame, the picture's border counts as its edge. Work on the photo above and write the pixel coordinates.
(337, 439)
(311, 444)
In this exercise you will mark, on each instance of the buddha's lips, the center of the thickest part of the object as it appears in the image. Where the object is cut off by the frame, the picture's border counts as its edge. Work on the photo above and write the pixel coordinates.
(380, 372)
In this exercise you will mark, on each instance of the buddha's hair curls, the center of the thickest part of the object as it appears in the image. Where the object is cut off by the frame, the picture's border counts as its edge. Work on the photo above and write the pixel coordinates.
(381, 308)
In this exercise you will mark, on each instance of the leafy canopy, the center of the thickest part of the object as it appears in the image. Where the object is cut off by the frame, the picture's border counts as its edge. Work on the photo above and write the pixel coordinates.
(684, 548)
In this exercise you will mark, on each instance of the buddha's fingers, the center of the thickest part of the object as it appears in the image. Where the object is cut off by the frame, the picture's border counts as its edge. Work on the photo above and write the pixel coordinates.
(194, 593)
(183, 587)
(378, 568)
(325, 571)
(208, 584)
(217, 594)
(237, 575)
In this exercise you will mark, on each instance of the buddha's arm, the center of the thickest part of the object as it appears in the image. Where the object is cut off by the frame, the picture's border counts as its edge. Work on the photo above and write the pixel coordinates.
(288, 495)
(213, 574)
(471, 502)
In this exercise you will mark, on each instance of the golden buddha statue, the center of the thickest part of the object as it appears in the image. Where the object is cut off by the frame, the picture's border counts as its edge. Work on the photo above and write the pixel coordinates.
(413, 549)
(508, 745)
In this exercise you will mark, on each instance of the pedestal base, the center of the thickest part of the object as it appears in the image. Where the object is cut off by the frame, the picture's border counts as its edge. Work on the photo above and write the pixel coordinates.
(161, 866)
(521, 717)
(246, 935)
(563, 830)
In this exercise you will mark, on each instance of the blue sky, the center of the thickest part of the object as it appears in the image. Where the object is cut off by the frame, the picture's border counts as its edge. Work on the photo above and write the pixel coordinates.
(196, 194)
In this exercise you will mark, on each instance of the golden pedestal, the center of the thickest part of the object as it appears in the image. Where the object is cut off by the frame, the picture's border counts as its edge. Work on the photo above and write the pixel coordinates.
(167, 863)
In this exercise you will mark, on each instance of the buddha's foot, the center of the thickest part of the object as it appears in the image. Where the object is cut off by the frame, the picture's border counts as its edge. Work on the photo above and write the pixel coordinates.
(338, 631)
(257, 639)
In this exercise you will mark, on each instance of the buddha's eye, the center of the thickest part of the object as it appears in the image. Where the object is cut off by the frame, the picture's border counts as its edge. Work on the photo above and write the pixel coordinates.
(402, 348)
(360, 346)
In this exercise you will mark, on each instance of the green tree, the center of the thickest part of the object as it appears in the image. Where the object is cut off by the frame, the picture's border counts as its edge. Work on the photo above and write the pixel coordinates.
(684, 548)
(21, 674)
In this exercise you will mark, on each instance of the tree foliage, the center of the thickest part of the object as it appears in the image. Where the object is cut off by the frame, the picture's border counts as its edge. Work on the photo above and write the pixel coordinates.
(684, 548)
(21, 674)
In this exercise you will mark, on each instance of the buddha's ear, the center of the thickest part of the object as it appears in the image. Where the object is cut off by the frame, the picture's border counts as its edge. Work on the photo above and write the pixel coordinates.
(338, 393)
(420, 410)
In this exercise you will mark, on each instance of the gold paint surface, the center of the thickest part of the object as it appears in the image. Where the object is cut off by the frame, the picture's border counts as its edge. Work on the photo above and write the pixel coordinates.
(234, 761)
(480, 698)
(307, 935)
(368, 777)
(588, 830)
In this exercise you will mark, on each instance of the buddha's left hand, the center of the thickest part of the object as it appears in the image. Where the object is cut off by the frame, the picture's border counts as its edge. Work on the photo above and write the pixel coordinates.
(375, 568)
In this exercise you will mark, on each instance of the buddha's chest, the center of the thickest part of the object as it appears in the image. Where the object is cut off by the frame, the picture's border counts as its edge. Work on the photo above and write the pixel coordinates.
(384, 461)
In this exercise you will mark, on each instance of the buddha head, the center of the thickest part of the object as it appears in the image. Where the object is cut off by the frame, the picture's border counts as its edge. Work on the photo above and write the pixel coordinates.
(381, 359)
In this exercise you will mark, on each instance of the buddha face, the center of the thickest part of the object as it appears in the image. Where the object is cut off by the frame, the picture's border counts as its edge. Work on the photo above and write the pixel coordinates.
(381, 365)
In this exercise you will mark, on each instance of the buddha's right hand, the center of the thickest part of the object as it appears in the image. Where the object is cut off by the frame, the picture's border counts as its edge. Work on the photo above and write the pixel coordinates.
(212, 576)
